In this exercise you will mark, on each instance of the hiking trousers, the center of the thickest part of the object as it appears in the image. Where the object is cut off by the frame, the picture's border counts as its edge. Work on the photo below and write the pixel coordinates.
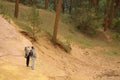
(33, 63)
(27, 60)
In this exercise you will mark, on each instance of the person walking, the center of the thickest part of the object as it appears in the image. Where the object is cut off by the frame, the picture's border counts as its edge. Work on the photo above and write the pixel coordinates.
(27, 56)
(33, 56)
(25, 49)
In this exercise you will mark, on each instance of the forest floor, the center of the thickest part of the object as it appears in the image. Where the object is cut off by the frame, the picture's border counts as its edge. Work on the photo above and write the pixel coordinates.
(52, 63)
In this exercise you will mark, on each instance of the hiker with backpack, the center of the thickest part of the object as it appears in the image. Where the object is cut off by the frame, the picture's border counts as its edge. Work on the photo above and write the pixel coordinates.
(27, 56)
(32, 55)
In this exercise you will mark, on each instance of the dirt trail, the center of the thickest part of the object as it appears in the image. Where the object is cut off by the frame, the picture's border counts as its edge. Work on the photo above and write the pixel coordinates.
(11, 42)
(52, 63)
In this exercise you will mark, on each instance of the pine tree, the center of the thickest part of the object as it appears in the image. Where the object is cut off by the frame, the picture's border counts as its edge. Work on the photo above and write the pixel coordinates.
(46, 4)
(16, 8)
(57, 20)
(34, 20)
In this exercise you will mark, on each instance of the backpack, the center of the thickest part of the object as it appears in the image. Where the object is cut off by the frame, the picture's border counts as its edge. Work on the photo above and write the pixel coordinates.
(25, 49)
(31, 53)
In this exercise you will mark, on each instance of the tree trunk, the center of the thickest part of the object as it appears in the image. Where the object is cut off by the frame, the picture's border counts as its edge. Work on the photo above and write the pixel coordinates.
(94, 3)
(46, 4)
(63, 6)
(118, 3)
(116, 8)
(57, 20)
(31, 2)
(55, 5)
(16, 8)
(106, 19)
(111, 13)
(70, 8)
(90, 3)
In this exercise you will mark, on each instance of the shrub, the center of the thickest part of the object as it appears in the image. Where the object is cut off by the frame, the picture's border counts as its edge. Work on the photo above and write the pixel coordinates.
(35, 21)
(116, 36)
(116, 25)
(115, 28)
(89, 22)
(11, 0)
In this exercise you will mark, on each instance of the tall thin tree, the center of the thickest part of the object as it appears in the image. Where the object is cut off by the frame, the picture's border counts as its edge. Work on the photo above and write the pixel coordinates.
(111, 12)
(116, 7)
(106, 19)
(70, 7)
(63, 5)
(55, 4)
(94, 3)
(57, 20)
(16, 8)
(31, 2)
(46, 4)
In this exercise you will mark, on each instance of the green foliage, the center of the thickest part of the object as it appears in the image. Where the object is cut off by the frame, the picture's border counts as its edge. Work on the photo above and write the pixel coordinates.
(37, 3)
(25, 2)
(11, 0)
(88, 19)
(24, 26)
(116, 28)
(66, 18)
(35, 21)
(24, 22)
(40, 5)
(102, 5)
(116, 25)
(89, 22)
(112, 52)
(34, 17)
(116, 35)
(4, 9)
